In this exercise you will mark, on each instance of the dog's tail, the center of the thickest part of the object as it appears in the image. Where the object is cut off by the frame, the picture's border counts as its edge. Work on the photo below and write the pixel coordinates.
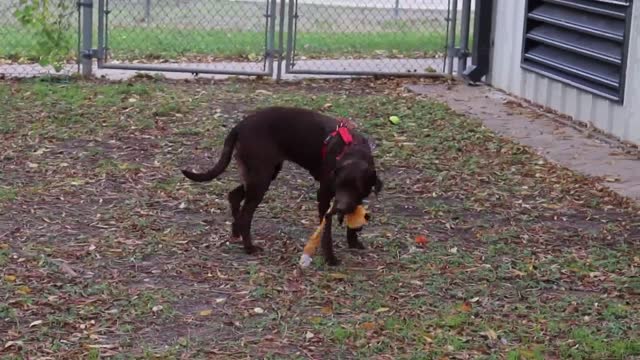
(223, 161)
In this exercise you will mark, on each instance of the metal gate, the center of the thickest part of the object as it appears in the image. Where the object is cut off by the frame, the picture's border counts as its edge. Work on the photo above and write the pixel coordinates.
(176, 27)
(370, 37)
(276, 37)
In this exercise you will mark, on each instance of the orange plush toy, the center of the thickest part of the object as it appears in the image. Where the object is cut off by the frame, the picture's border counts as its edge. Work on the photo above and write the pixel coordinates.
(355, 220)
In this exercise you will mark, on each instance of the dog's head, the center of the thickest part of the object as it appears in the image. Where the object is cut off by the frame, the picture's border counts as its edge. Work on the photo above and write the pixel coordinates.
(355, 180)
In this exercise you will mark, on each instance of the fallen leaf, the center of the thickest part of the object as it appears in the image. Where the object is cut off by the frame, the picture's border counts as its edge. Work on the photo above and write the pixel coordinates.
(9, 278)
(338, 276)
(572, 308)
(206, 312)
(368, 326)
(65, 268)
(232, 323)
(37, 322)
(490, 334)
(101, 346)
(327, 310)
(381, 310)
(23, 290)
(465, 307)
(263, 92)
(294, 286)
(16, 344)
(517, 272)
(309, 335)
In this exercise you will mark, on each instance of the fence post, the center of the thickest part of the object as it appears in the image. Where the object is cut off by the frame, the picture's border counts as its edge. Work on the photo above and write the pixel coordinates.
(481, 53)
(87, 37)
(147, 11)
(281, 19)
(451, 46)
(292, 26)
(464, 36)
(101, 30)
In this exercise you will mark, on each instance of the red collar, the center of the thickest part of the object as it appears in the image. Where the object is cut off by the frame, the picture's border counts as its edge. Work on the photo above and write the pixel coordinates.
(343, 130)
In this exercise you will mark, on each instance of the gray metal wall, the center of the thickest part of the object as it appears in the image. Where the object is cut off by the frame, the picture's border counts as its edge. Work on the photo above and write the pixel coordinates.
(506, 74)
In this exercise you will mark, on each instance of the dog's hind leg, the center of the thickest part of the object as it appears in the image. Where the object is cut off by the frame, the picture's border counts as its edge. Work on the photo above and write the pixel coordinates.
(253, 194)
(235, 200)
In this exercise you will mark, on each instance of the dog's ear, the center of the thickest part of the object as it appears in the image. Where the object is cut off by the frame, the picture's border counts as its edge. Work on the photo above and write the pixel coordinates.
(334, 147)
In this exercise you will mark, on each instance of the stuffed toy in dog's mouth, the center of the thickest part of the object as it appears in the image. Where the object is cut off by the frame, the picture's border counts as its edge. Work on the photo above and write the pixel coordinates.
(356, 220)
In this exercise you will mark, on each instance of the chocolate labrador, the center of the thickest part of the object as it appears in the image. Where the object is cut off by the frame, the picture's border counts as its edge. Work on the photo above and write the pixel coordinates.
(337, 156)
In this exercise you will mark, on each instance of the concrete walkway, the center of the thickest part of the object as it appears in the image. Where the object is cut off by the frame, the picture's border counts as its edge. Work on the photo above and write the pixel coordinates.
(557, 140)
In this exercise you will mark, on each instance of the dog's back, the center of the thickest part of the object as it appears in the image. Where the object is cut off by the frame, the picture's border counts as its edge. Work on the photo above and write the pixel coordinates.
(297, 134)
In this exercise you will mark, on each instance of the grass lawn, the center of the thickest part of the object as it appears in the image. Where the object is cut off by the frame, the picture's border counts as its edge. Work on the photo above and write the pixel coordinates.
(106, 250)
(174, 44)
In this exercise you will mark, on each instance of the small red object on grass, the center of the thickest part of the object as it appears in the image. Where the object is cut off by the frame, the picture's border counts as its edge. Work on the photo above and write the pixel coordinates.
(466, 307)
(421, 240)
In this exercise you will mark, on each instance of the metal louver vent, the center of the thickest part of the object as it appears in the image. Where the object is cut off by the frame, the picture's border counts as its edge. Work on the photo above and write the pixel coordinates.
(579, 42)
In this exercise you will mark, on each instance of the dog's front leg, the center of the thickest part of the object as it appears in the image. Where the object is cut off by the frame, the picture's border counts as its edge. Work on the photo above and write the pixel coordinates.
(324, 196)
(352, 239)
(327, 241)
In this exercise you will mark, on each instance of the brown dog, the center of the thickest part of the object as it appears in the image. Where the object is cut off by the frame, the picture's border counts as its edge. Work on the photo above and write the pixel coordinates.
(336, 156)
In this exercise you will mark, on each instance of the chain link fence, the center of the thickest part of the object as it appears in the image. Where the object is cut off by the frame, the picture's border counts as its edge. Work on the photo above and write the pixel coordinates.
(367, 36)
(24, 45)
(250, 37)
(188, 35)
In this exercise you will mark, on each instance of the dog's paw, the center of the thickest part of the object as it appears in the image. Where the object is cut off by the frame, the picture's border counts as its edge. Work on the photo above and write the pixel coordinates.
(356, 245)
(253, 249)
(332, 261)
